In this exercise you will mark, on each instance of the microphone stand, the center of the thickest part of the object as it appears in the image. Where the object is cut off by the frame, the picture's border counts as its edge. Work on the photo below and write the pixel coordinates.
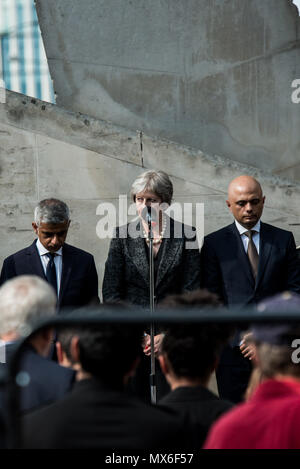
(152, 330)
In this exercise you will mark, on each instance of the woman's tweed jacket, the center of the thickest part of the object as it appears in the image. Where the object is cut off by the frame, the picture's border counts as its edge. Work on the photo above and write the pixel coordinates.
(126, 274)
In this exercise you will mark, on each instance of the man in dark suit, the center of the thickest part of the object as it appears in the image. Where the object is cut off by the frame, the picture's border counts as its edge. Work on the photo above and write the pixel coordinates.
(71, 271)
(98, 413)
(244, 263)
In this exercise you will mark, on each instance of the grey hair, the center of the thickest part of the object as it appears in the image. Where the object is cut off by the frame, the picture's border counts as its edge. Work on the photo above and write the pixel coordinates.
(276, 359)
(51, 211)
(157, 182)
(24, 300)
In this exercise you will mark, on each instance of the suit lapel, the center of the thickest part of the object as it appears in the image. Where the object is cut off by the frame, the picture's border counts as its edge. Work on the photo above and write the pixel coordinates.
(34, 264)
(137, 253)
(265, 248)
(66, 270)
(171, 248)
(235, 245)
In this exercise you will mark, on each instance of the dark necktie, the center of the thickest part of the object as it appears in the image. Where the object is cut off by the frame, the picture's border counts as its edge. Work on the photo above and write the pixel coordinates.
(51, 271)
(252, 253)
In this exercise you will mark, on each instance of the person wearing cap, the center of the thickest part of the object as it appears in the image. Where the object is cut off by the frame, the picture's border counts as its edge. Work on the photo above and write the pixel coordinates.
(244, 263)
(270, 419)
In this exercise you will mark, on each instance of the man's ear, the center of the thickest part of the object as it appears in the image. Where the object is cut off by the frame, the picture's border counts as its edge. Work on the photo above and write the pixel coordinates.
(74, 349)
(35, 227)
(59, 353)
(228, 204)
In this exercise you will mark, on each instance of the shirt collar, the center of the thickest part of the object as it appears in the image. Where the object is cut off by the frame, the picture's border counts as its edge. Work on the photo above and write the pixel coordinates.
(273, 388)
(242, 230)
(42, 250)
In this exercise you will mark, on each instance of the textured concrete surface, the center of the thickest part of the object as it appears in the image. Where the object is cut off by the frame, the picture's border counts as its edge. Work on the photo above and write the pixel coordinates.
(212, 74)
(46, 151)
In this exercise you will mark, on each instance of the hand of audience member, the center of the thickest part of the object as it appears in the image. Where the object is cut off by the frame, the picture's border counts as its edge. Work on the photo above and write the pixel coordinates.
(247, 347)
(157, 342)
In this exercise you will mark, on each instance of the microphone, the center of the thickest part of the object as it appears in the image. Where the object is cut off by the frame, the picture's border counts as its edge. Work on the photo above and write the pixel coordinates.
(149, 215)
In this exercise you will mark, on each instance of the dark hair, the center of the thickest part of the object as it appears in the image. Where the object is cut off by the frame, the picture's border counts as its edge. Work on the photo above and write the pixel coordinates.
(108, 351)
(157, 182)
(64, 336)
(192, 349)
(200, 297)
(51, 211)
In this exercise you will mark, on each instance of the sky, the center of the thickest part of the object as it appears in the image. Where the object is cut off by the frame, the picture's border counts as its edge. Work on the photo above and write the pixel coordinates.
(297, 2)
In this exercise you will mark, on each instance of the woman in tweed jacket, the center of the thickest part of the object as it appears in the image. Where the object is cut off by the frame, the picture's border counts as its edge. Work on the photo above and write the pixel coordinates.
(177, 267)
(176, 252)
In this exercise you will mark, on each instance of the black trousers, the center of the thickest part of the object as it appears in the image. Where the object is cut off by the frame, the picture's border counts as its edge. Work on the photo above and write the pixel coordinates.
(233, 374)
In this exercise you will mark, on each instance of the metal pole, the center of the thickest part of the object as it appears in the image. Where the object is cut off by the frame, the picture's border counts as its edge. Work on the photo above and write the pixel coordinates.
(152, 306)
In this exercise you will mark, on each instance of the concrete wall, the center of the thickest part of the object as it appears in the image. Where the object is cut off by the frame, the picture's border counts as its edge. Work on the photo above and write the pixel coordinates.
(213, 74)
(46, 151)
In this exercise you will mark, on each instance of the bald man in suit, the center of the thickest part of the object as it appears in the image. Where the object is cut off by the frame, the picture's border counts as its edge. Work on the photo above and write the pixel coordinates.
(244, 263)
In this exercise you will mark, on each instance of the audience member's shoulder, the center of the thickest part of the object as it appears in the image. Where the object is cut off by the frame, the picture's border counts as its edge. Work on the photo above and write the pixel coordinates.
(49, 381)
(34, 432)
(226, 426)
(30, 357)
(220, 407)
(167, 427)
(145, 426)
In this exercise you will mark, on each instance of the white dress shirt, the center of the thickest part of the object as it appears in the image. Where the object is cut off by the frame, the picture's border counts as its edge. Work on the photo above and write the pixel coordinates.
(57, 262)
(245, 239)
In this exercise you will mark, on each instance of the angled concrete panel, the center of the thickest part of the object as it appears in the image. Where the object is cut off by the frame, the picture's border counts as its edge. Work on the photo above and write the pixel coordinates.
(46, 151)
(212, 74)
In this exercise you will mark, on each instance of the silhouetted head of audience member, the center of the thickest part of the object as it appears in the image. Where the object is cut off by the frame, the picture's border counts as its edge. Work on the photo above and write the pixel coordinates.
(108, 352)
(269, 419)
(197, 298)
(277, 344)
(64, 334)
(24, 301)
(63, 346)
(190, 352)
